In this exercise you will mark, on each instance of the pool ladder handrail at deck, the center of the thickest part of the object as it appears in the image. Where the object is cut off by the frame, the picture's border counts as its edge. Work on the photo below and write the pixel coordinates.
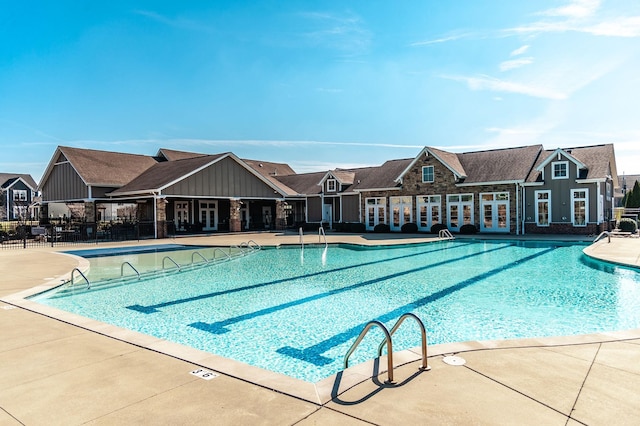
(423, 335)
(228, 255)
(201, 257)
(445, 233)
(132, 267)
(301, 239)
(363, 333)
(603, 233)
(255, 245)
(82, 275)
(321, 233)
(172, 261)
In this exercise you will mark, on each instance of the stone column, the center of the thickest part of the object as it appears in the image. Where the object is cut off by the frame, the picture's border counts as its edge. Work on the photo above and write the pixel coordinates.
(161, 217)
(281, 215)
(234, 216)
(90, 211)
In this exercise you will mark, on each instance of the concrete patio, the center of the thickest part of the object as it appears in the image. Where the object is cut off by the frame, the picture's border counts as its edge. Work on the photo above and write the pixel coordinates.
(71, 372)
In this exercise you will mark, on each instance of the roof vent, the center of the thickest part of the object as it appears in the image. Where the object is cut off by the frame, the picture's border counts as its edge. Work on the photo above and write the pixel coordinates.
(260, 165)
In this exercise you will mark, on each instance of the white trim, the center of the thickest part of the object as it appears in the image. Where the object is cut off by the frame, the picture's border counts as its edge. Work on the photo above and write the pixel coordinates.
(535, 208)
(433, 174)
(497, 182)
(427, 151)
(553, 170)
(586, 207)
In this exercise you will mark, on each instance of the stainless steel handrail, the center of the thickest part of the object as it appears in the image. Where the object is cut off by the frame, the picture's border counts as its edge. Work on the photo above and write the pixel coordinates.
(221, 251)
(321, 232)
(132, 267)
(82, 275)
(445, 233)
(603, 233)
(301, 233)
(201, 257)
(423, 333)
(387, 339)
(258, 246)
(172, 261)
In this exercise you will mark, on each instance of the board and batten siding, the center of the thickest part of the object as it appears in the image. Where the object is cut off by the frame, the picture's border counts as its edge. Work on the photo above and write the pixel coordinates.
(64, 184)
(351, 208)
(225, 178)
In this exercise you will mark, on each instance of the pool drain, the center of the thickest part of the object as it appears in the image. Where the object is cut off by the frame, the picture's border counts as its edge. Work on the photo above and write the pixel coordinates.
(453, 360)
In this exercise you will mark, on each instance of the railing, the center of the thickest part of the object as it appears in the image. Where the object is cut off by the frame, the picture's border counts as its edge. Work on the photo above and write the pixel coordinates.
(423, 334)
(301, 233)
(387, 339)
(132, 267)
(389, 342)
(602, 234)
(218, 249)
(445, 233)
(254, 245)
(82, 275)
(201, 257)
(172, 261)
(321, 233)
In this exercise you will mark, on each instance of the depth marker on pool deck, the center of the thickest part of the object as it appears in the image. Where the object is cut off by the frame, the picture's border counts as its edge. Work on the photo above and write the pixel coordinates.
(204, 374)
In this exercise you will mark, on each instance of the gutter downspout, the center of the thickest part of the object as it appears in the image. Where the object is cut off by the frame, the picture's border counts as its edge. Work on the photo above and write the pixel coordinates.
(155, 215)
(517, 210)
(524, 207)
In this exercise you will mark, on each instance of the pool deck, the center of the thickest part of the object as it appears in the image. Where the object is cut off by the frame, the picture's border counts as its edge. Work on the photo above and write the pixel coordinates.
(71, 372)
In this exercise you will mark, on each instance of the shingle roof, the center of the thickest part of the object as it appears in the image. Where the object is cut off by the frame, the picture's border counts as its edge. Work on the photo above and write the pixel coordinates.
(383, 176)
(303, 183)
(163, 173)
(450, 159)
(499, 165)
(599, 160)
(345, 177)
(172, 154)
(105, 168)
(7, 179)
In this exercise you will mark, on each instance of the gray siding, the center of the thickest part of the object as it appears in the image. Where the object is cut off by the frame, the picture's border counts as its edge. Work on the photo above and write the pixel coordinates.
(351, 208)
(314, 209)
(225, 178)
(64, 184)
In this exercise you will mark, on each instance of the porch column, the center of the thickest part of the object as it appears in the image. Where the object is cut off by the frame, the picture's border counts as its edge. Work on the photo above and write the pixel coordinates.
(161, 217)
(234, 216)
(281, 215)
(90, 211)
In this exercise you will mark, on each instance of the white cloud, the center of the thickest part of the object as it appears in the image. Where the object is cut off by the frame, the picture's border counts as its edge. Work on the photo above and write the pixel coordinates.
(515, 63)
(497, 85)
(443, 39)
(577, 9)
(520, 50)
(342, 32)
(619, 27)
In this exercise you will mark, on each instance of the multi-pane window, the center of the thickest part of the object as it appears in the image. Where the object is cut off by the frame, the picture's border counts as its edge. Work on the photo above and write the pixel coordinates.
(427, 174)
(543, 208)
(560, 169)
(19, 195)
(579, 207)
(331, 185)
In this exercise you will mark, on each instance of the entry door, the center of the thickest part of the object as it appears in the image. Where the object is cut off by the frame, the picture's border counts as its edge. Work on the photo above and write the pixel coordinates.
(428, 211)
(401, 212)
(495, 212)
(181, 214)
(327, 216)
(209, 215)
(376, 211)
(459, 210)
(244, 216)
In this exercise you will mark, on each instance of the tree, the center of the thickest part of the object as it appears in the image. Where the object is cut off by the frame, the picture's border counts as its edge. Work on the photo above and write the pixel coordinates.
(633, 197)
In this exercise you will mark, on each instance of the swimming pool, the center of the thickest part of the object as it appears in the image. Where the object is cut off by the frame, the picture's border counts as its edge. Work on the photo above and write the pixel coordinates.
(297, 313)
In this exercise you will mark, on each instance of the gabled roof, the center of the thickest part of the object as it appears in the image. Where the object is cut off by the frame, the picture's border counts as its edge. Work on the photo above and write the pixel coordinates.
(597, 161)
(8, 179)
(303, 183)
(499, 165)
(448, 159)
(101, 168)
(271, 171)
(166, 173)
(172, 154)
(343, 176)
(381, 177)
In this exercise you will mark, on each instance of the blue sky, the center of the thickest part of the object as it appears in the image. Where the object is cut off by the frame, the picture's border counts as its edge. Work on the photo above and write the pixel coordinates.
(317, 84)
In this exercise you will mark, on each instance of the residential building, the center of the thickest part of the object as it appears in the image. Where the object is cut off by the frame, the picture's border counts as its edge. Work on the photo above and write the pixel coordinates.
(17, 193)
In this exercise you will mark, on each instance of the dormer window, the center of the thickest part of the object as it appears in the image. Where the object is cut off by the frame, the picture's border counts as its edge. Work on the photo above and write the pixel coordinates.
(19, 195)
(331, 185)
(560, 170)
(427, 174)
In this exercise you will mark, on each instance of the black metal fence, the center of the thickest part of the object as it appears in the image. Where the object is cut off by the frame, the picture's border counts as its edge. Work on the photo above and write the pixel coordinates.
(14, 235)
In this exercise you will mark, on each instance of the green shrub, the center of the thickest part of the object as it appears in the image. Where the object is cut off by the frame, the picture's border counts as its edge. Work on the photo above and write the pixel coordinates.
(627, 225)
(468, 229)
(438, 227)
(381, 228)
(409, 228)
(357, 228)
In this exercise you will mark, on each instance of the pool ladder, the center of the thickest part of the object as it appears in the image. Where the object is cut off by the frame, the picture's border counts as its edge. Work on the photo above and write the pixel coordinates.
(82, 275)
(445, 233)
(389, 343)
(603, 234)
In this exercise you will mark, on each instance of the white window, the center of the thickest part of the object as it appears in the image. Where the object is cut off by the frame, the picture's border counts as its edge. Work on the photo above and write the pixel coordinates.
(560, 170)
(19, 195)
(427, 174)
(459, 210)
(331, 185)
(579, 207)
(376, 211)
(401, 211)
(494, 208)
(543, 208)
(19, 212)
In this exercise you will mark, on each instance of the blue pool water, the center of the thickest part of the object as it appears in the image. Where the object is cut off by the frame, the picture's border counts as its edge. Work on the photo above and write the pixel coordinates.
(299, 314)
